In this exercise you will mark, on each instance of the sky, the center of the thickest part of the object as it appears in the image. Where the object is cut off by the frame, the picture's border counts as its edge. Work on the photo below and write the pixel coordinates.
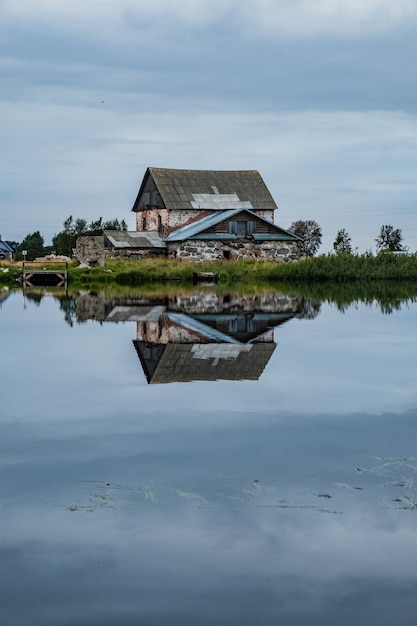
(319, 96)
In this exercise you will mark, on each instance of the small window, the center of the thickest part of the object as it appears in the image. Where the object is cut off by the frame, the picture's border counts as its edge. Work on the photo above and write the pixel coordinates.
(147, 198)
(144, 223)
(241, 228)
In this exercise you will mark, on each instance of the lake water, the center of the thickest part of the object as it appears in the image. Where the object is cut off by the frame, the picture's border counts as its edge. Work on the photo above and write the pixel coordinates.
(209, 459)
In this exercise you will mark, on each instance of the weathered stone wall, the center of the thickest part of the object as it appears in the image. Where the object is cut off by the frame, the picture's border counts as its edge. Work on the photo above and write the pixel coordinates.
(211, 302)
(91, 306)
(195, 250)
(90, 250)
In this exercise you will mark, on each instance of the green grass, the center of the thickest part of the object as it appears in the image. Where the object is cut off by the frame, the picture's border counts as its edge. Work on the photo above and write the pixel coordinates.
(342, 268)
(348, 268)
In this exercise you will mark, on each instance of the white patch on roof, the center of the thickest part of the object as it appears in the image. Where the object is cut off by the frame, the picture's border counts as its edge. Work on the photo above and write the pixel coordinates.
(218, 351)
(134, 239)
(135, 314)
(219, 201)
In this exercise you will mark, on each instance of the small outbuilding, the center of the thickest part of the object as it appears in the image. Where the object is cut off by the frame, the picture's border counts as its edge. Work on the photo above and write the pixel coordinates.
(6, 251)
(133, 244)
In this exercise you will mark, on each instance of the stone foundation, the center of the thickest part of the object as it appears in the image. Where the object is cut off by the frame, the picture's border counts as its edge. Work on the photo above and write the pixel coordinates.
(195, 250)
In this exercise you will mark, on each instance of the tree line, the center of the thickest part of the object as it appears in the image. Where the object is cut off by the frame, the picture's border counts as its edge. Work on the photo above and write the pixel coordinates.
(65, 241)
(389, 238)
(309, 231)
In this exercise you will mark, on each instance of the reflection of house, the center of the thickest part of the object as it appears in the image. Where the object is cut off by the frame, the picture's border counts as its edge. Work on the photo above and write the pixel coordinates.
(206, 336)
(175, 347)
(209, 215)
(200, 335)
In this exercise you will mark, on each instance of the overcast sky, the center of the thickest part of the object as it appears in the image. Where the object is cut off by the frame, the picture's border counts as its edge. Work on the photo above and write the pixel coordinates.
(320, 96)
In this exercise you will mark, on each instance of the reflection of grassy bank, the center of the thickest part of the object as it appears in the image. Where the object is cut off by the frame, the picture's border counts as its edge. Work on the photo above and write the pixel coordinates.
(388, 295)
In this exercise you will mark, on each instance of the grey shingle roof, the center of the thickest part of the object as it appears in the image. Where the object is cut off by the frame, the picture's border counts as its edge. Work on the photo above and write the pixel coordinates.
(211, 361)
(134, 239)
(214, 189)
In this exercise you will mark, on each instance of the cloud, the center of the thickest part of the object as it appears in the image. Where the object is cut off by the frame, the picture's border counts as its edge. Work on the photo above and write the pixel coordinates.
(287, 18)
(331, 17)
(343, 168)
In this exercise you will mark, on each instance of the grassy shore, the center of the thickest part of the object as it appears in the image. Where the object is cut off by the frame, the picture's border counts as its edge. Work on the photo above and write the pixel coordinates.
(343, 268)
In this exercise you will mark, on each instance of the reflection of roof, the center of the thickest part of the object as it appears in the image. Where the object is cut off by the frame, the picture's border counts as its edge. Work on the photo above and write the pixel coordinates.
(244, 328)
(218, 354)
(179, 362)
(186, 189)
(201, 329)
(195, 229)
(3, 296)
(135, 313)
(133, 239)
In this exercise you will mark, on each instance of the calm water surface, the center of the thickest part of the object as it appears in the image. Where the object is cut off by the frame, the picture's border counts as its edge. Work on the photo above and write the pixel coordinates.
(207, 460)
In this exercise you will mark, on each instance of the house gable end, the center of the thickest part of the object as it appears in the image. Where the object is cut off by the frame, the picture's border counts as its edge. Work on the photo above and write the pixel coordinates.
(149, 196)
(232, 224)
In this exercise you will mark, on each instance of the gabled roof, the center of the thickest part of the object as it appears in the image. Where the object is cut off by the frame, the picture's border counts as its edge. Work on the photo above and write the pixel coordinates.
(5, 246)
(134, 239)
(180, 362)
(195, 230)
(209, 189)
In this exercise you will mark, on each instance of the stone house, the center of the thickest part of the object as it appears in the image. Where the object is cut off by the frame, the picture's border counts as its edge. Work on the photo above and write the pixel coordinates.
(212, 215)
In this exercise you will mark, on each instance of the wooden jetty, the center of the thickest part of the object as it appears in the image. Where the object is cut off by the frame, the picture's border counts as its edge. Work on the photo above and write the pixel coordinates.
(52, 278)
(211, 278)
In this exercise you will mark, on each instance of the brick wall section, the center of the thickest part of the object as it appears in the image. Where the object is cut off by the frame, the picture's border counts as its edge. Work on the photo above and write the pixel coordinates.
(149, 219)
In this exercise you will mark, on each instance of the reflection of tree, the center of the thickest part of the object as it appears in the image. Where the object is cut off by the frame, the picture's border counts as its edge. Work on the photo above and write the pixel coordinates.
(35, 297)
(388, 295)
(68, 304)
(309, 309)
(388, 308)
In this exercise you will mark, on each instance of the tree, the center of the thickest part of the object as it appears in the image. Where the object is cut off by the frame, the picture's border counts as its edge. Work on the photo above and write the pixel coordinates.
(389, 238)
(342, 243)
(34, 245)
(66, 240)
(97, 227)
(310, 233)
